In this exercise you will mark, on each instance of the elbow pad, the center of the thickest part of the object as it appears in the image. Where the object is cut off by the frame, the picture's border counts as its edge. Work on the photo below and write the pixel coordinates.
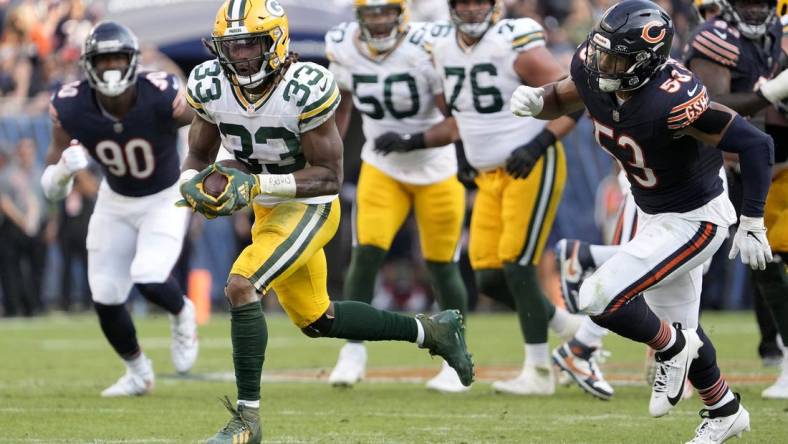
(56, 182)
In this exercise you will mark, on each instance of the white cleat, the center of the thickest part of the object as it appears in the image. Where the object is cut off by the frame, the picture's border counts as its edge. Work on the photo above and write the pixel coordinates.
(671, 375)
(531, 381)
(585, 372)
(185, 345)
(778, 390)
(447, 381)
(132, 384)
(351, 365)
(569, 327)
(719, 430)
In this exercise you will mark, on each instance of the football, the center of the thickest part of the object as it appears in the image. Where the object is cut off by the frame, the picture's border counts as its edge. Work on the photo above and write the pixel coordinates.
(214, 183)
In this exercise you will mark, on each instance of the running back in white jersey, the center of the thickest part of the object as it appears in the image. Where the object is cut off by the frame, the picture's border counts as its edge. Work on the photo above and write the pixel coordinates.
(395, 93)
(266, 135)
(478, 83)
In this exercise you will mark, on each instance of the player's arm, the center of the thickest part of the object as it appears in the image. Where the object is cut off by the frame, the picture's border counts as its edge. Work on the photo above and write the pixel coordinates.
(322, 148)
(182, 113)
(343, 112)
(65, 158)
(717, 79)
(204, 142)
(438, 135)
(720, 126)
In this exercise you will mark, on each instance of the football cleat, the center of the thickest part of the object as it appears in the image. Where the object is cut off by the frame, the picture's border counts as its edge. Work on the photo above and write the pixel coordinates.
(351, 365)
(243, 427)
(185, 345)
(569, 326)
(720, 429)
(671, 374)
(531, 381)
(132, 384)
(571, 271)
(443, 336)
(585, 372)
(651, 371)
(447, 381)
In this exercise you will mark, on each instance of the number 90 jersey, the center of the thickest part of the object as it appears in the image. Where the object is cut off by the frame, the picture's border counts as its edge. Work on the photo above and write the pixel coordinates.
(266, 134)
(397, 94)
(478, 83)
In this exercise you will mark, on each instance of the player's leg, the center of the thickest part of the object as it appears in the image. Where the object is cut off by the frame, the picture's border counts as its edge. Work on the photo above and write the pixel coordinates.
(381, 206)
(773, 282)
(110, 244)
(162, 228)
(440, 210)
(664, 249)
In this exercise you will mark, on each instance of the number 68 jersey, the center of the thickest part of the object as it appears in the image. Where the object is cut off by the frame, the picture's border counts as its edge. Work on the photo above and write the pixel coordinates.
(266, 134)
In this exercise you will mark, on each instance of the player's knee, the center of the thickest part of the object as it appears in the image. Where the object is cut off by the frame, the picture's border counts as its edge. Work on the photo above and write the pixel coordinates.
(239, 291)
(106, 291)
(322, 326)
(149, 271)
(592, 297)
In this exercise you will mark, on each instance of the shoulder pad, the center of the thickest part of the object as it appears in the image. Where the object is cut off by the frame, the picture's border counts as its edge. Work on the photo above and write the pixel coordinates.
(336, 37)
(314, 92)
(162, 81)
(716, 41)
(522, 33)
(685, 96)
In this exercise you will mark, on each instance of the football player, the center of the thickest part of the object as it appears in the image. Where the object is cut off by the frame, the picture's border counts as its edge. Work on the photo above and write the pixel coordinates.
(740, 59)
(276, 115)
(382, 69)
(656, 119)
(520, 167)
(127, 121)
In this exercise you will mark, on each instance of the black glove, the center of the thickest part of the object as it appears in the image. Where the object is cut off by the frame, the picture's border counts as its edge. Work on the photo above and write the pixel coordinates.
(522, 160)
(466, 174)
(392, 142)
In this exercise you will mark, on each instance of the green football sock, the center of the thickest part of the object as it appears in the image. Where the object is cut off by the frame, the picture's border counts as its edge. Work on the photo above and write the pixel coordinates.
(365, 262)
(249, 337)
(447, 281)
(773, 284)
(362, 322)
(492, 282)
(533, 308)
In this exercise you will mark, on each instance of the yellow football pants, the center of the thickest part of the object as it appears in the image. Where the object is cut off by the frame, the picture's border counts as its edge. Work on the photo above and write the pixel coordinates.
(286, 254)
(383, 203)
(776, 214)
(512, 218)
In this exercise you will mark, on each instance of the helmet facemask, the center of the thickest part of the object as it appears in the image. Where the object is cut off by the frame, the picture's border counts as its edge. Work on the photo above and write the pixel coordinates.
(110, 82)
(381, 26)
(751, 17)
(472, 24)
(246, 59)
(611, 71)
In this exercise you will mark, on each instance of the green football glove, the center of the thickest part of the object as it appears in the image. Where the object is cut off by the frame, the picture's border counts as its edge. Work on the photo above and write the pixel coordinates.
(195, 197)
(241, 189)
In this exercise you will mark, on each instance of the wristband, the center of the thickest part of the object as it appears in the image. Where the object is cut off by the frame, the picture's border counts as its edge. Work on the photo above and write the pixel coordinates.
(282, 185)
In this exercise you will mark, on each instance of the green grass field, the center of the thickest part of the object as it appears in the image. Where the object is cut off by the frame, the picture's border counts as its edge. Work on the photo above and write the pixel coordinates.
(52, 370)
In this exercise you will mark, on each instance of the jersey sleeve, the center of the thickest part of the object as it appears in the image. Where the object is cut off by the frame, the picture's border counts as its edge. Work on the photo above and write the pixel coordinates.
(423, 38)
(202, 86)
(322, 99)
(716, 42)
(526, 34)
(65, 105)
(337, 65)
(686, 97)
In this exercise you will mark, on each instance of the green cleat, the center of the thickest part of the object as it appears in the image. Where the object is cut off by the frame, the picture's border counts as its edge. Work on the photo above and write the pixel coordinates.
(243, 427)
(443, 336)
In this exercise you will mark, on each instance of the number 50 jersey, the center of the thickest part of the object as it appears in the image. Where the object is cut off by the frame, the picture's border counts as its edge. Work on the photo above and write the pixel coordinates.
(266, 134)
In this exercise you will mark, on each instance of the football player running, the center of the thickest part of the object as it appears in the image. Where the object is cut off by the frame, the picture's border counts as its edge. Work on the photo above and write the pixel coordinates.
(127, 121)
(520, 167)
(739, 57)
(276, 115)
(656, 119)
(381, 68)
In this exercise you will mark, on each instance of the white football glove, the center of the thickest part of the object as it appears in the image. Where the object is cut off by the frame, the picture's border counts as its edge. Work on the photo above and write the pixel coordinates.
(74, 158)
(751, 244)
(527, 101)
(776, 89)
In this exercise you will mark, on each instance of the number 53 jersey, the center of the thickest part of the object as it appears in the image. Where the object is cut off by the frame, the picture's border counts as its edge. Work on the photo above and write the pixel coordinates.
(266, 134)
(478, 83)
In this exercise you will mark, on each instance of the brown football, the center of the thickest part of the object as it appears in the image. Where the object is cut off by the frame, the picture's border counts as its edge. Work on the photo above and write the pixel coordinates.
(214, 183)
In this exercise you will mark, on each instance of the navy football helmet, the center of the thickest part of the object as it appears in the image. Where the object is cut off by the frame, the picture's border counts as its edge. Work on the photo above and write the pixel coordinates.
(751, 17)
(628, 45)
(110, 38)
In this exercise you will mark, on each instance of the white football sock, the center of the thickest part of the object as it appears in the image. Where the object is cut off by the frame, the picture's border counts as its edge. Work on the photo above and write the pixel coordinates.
(590, 334)
(537, 355)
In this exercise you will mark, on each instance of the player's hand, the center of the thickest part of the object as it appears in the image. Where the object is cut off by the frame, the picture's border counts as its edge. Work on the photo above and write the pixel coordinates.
(527, 101)
(194, 197)
(241, 190)
(751, 244)
(392, 142)
(466, 174)
(776, 89)
(522, 160)
(74, 157)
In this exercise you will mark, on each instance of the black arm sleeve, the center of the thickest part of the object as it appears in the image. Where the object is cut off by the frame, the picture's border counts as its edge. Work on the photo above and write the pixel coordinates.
(756, 157)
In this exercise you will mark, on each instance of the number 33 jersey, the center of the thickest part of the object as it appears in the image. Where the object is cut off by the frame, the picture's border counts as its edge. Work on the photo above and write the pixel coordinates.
(266, 134)
(478, 83)
(394, 94)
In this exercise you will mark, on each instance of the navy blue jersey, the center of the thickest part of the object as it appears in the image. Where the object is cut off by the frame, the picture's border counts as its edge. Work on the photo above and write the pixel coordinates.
(138, 153)
(668, 172)
(749, 61)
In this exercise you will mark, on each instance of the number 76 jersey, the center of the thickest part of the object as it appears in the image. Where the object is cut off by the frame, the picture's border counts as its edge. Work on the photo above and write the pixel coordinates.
(266, 134)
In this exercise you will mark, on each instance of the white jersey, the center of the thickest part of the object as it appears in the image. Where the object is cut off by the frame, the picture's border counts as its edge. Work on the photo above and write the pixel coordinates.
(478, 83)
(266, 135)
(397, 94)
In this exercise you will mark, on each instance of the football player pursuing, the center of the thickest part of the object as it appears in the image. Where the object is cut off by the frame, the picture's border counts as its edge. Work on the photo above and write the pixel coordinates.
(276, 115)
(521, 168)
(739, 57)
(656, 119)
(127, 121)
(382, 69)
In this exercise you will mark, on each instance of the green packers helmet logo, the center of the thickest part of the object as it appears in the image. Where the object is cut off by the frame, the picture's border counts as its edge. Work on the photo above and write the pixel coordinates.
(274, 8)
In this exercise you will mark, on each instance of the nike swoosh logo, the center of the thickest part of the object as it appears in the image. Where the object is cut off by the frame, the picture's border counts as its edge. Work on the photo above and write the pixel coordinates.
(692, 91)
(675, 400)
(720, 34)
(751, 234)
(324, 85)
